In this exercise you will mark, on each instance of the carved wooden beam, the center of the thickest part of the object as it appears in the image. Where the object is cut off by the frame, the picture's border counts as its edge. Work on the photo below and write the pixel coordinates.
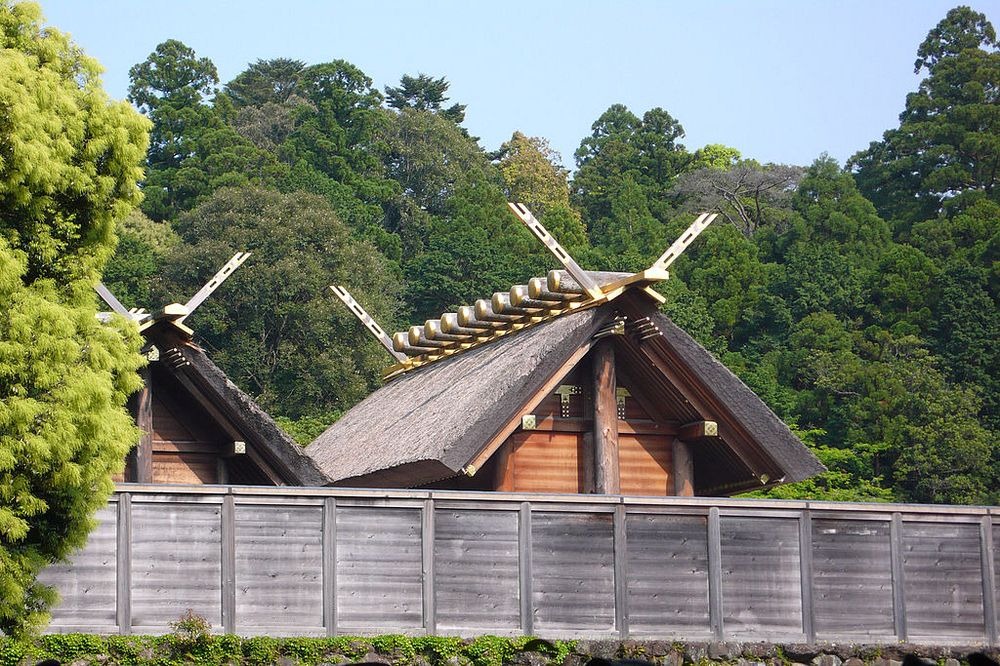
(538, 289)
(415, 336)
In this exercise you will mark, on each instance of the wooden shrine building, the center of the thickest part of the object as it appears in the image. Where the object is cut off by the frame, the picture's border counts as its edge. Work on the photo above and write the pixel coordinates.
(196, 425)
(572, 383)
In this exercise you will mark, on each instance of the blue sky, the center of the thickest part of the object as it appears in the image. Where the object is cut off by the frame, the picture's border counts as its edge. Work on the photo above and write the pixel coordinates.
(781, 81)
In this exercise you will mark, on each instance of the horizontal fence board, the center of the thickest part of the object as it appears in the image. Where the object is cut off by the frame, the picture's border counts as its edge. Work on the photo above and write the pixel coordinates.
(279, 568)
(572, 562)
(476, 570)
(761, 581)
(667, 573)
(379, 567)
(176, 563)
(943, 573)
(852, 577)
(86, 583)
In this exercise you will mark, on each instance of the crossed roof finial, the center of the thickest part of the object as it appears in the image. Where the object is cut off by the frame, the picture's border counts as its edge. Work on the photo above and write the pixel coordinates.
(541, 299)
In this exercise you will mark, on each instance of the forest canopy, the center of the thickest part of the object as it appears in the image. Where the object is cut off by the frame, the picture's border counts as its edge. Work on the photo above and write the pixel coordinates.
(859, 301)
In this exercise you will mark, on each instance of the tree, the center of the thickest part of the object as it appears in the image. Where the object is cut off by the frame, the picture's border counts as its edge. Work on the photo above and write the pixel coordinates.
(532, 173)
(620, 143)
(747, 194)
(265, 82)
(946, 151)
(278, 332)
(172, 87)
(424, 93)
(143, 247)
(69, 163)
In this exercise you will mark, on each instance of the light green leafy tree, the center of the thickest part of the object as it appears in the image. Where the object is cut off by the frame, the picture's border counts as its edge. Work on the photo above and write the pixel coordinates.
(69, 163)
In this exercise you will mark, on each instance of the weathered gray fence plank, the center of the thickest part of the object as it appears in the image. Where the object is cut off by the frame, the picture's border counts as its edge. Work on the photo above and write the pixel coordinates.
(852, 578)
(715, 572)
(427, 565)
(279, 570)
(379, 567)
(761, 577)
(943, 573)
(668, 575)
(572, 561)
(525, 573)
(176, 553)
(806, 575)
(476, 570)
(87, 583)
(330, 565)
(989, 578)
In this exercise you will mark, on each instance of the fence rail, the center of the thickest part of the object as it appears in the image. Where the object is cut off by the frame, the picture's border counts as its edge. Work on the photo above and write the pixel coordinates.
(298, 561)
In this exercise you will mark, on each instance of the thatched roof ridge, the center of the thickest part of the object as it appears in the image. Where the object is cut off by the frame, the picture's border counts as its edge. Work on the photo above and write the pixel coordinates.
(278, 448)
(435, 419)
(745, 406)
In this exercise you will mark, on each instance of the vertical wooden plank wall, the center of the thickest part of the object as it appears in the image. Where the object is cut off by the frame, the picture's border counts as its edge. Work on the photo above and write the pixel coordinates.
(317, 562)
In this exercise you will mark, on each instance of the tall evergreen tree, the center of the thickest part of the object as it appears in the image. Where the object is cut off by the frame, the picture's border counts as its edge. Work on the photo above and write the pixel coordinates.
(69, 163)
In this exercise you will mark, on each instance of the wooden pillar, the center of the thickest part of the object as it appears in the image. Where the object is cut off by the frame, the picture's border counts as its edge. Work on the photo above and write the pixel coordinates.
(683, 469)
(139, 468)
(606, 477)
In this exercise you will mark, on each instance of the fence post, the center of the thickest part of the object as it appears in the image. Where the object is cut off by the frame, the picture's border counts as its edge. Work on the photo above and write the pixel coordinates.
(123, 563)
(427, 543)
(228, 536)
(330, 565)
(524, 569)
(621, 572)
(806, 568)
(989, 578)
(898, 578)
(715, 572)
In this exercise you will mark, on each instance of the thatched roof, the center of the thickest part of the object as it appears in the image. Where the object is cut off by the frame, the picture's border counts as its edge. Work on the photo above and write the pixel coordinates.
(433, 421)
(763, 429)
(285, 456)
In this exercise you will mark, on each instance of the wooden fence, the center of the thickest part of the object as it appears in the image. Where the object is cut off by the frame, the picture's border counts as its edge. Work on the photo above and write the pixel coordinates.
(294, 561)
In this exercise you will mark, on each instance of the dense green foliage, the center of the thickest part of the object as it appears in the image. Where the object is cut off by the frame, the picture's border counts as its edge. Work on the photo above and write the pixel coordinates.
(860, 303)
(191, 644)
(69, 164)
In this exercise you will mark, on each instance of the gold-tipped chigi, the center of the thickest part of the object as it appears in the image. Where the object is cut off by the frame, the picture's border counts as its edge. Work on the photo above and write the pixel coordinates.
(541, 299)
(175, 313)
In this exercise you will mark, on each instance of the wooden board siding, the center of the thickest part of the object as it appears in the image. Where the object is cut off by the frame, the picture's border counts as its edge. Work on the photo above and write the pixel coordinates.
(476, 570)
(186, 443)
(279, 567)
(86, 583)
(761, 580)
(943, 575)
(572, 564)
(852, 569)
(546, 462)
(668, 574)
(175, 563)
(645, 463)
(172, 467)
(379, 568)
